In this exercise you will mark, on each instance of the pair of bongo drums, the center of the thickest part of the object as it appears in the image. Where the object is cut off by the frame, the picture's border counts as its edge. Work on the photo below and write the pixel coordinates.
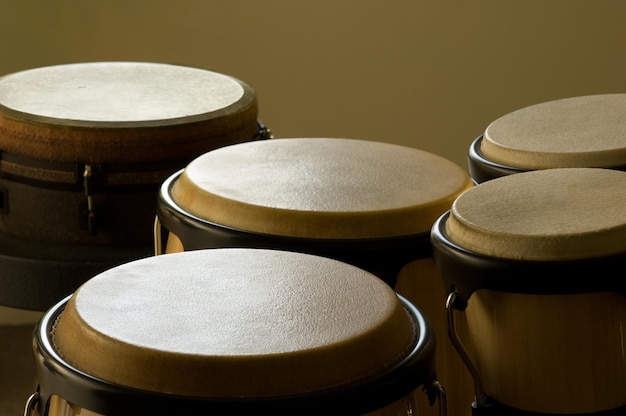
(83, 150)
(365, 203)
(535, 255)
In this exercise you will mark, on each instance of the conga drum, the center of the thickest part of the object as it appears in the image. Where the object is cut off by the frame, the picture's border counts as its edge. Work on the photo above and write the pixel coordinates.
(536, 261)
(83, 150)
(366, 203)
(574, 132)
(233, 331)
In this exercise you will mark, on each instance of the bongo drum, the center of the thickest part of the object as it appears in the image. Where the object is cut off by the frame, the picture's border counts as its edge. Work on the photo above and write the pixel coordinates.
(233, 331)
(83, 150)
(585, 131)
(366, 203)
(536, 260)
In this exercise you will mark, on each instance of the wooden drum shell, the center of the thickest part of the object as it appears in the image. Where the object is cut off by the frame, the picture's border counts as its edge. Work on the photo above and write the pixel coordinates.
(545, 318)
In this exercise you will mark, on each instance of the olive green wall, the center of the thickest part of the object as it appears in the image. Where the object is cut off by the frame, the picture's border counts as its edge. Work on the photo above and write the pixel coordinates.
(427, 74)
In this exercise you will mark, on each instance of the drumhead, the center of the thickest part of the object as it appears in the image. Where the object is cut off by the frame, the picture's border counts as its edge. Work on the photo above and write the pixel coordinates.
(320, 188)
(585, 131)
(552, 214)
(261, 323)
(122, 112)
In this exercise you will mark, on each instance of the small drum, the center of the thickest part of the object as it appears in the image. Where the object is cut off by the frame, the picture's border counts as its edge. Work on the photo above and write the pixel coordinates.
(586, 131)
(366, 203)
(536, 260)
(233, 331)
(83, 150)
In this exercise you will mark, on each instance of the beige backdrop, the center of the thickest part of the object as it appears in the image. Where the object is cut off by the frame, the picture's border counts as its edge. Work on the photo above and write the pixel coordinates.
(426, 74)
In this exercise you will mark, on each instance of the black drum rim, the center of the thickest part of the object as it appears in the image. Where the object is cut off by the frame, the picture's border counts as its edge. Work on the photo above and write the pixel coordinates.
(482, 169)
(198, 233)
(464, 271)
(57, 377)
(168, 206)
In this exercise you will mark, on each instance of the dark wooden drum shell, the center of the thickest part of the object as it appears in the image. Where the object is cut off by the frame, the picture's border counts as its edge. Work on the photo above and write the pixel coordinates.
(83, 151)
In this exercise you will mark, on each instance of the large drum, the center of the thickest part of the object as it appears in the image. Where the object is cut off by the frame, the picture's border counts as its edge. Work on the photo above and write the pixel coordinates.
(83, 150)
(366, 203)
(536, 260)
(585, 131)
(237, 332)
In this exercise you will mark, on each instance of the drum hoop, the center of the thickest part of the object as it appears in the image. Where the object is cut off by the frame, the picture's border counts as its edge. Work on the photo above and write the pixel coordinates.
(482, 169)
(198, 233)
(57, 377)
(464, 271)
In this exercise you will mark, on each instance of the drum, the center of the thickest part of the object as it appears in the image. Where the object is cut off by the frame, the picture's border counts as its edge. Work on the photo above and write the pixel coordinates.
(366, 203)
(535, 260)
(585, 131)
(233, 331)
(83, 150)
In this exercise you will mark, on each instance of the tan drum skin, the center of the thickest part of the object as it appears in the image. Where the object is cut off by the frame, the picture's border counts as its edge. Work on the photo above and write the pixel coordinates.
(247, 317)
(547, 353)
(338, 188)
(585, 131)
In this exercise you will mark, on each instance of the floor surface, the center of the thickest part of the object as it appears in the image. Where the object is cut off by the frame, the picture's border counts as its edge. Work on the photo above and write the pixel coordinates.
(16, 368)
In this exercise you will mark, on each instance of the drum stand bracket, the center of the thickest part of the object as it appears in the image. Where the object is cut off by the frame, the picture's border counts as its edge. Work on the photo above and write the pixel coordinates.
(479, 395)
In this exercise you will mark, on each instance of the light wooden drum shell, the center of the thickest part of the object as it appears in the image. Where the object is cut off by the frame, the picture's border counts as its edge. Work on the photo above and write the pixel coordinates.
(585, 131)
(84, 148)
(366, 203)
(232, 331)
(534, 260)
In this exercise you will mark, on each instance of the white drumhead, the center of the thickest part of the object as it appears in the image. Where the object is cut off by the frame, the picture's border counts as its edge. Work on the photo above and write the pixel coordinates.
(118, 91)
(586, 131)
(552, 214)
(234, 323)
(320, 188)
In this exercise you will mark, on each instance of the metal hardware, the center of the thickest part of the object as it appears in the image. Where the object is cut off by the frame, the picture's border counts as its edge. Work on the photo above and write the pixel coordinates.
(88, 185)
(436, 389)
(158, 244)
(479, 395)
(31, 404)
(263, 132)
